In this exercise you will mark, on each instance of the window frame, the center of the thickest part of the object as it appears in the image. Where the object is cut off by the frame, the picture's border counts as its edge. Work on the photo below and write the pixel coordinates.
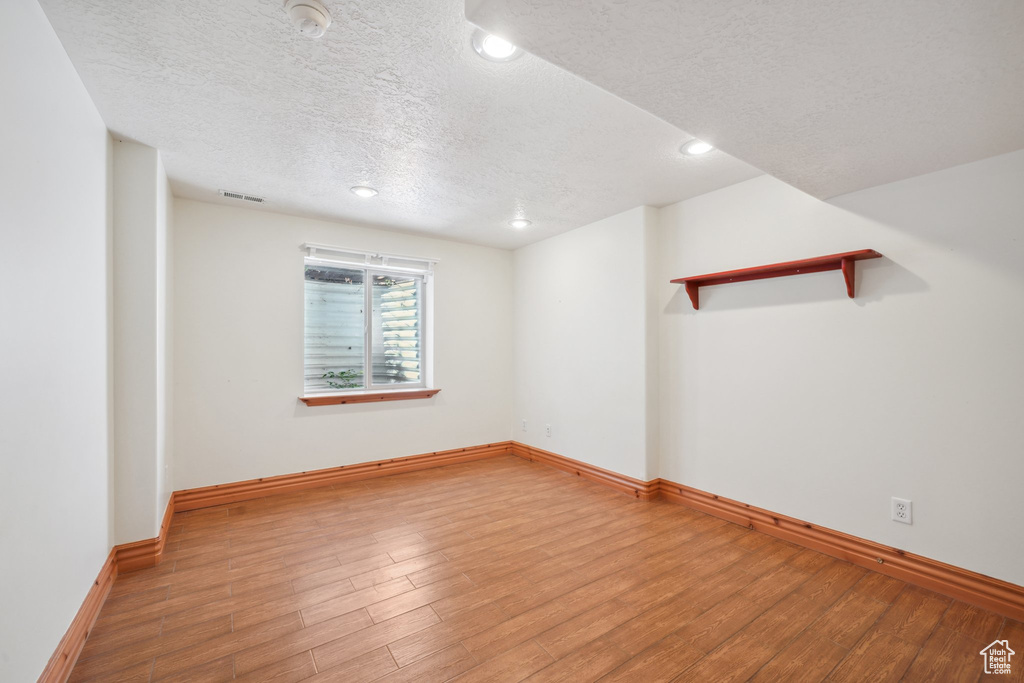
(371, 264)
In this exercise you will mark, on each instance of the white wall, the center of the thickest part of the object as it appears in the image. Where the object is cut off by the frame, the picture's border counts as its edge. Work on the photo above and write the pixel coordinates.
(238, 339)
(141, 351)
(788, 395)
(54, 516)
(581, 343)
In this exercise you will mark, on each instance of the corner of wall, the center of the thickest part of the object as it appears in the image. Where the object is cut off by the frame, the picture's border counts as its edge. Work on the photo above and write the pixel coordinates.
(652, 382)
(109, 270)
(581, 316)
(139, 262)
(165, 339)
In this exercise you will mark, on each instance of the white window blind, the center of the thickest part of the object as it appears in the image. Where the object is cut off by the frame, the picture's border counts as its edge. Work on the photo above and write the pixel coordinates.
(364, 321)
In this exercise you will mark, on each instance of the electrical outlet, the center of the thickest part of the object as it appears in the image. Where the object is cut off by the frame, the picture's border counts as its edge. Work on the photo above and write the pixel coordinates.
(902, 510)
(524, 425)
(547, 429)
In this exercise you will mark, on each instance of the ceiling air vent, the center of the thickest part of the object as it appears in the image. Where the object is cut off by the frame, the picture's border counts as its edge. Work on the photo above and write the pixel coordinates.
(243, 197)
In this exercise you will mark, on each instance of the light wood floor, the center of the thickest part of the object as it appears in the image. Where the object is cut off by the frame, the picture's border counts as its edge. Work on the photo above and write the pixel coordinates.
(507, 570)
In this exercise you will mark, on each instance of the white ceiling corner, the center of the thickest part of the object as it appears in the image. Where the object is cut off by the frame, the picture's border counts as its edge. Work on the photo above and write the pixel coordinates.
(393, 96)
(830, 96)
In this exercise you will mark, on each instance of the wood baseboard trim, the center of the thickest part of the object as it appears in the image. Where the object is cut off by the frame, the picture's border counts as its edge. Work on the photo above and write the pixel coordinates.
(977, 589)
(208, 496)
(641, 490)
(984, 591)
(146, 553)
(122, 558)
(66, 655)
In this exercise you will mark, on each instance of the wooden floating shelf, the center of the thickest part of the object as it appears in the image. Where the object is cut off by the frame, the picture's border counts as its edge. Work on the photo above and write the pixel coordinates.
(844, 262)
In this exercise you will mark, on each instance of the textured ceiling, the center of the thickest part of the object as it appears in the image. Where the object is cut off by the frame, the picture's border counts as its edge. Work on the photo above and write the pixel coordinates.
(830, 96)
(393, 96)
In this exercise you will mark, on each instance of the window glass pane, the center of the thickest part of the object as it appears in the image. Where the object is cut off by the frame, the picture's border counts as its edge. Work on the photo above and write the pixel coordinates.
(335, 329)
(396, 328)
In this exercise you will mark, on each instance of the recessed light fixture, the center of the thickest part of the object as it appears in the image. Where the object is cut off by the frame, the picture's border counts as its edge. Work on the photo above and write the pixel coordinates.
(490, 46)
(364, 191)
(695, 148)
(520, 223)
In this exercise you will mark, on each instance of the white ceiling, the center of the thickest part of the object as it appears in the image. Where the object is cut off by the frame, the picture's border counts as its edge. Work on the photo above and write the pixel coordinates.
(830, 96)
(393, 96)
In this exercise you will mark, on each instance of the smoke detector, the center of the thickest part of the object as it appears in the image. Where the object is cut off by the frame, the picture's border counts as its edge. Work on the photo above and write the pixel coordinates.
(309, 16)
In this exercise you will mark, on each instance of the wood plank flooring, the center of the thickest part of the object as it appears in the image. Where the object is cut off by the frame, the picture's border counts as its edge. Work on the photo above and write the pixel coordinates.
(506, 570)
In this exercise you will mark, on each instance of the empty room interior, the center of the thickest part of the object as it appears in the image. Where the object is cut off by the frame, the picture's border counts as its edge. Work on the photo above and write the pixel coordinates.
(508, 340)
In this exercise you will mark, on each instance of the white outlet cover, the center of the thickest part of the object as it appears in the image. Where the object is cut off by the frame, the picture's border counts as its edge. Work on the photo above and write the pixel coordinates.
(902, 510)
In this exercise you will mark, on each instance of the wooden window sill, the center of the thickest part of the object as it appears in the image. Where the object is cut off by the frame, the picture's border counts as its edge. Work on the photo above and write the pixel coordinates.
(370, 397)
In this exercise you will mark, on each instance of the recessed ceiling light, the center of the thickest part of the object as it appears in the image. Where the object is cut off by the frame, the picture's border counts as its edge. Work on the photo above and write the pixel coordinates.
(520, 223)
(696, 147)
(490, 46)
(363, 191)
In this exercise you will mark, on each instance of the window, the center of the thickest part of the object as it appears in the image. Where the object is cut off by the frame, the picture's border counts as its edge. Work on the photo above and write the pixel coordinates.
(365, 321)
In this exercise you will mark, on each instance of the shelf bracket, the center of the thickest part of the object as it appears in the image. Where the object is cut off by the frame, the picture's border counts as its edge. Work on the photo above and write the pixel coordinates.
(693, 291)
(849, 274)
